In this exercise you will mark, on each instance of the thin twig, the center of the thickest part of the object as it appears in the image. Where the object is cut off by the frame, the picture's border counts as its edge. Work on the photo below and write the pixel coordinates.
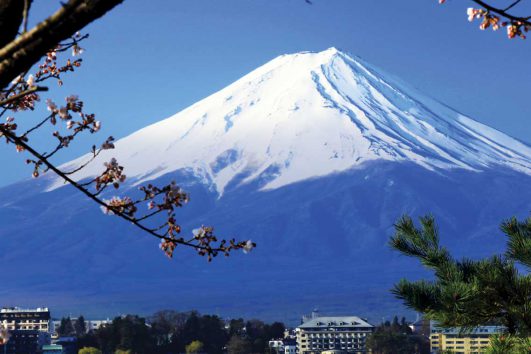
(512, 5)
(85, 164)
(37, 126)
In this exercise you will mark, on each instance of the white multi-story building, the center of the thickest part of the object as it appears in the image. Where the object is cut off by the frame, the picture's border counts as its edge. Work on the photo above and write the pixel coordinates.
(29, 329)
(345, 333)
(15, 318)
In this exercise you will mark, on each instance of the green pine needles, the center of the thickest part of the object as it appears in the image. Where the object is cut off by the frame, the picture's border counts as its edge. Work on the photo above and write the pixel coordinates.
(468, 293)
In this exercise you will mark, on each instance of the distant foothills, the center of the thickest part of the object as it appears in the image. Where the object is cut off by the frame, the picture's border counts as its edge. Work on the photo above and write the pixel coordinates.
(29, 331)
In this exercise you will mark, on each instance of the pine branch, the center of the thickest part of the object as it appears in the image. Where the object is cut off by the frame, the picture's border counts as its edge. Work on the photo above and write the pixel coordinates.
(519, 243)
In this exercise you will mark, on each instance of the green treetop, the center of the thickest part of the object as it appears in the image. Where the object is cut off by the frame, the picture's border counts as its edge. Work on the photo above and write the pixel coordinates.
(468, 293)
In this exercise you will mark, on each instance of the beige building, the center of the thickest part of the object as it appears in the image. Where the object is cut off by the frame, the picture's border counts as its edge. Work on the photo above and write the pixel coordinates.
(345, 334)
(471, 342)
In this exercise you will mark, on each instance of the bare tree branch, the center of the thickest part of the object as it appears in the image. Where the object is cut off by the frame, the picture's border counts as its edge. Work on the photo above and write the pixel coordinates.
(20, 54)
(11, 15)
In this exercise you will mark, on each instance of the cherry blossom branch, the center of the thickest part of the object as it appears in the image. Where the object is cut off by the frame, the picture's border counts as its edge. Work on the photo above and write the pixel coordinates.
(503, 12)
(19, 55)
(202, 247)
(20, 95)
(516, 26)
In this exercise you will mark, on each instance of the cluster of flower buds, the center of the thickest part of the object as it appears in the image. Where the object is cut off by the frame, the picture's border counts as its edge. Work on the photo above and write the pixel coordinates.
(204, 237)
(73, 104)
(172, 196)
(168, 246)
(119, 205)
(9, 125)
(107, 145)
(514, 28)
(25, 102)
(36, 167)
(488, 19)
(50, 69)
(64, 141)
(517, 29)
(113, 174)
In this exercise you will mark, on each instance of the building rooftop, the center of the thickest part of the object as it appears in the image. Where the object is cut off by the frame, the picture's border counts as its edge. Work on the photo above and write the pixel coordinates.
(491, 329)
(336, 321)
(18, 309)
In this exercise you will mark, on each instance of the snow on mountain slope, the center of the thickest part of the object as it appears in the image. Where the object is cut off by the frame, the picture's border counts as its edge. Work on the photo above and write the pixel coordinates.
(308, 115)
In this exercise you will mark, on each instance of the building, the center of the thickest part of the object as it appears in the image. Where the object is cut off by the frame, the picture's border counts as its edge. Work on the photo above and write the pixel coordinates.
(14, 318)
(276, 346)
(290, 347)
(421, 326)
(346, 334)
(283, 346)
(25, 341)
(470, 342)
(29, 329)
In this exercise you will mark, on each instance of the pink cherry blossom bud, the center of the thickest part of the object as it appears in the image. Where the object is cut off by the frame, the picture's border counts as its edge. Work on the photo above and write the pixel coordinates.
(248, 247)
(17, 80)
(97, 126)
(63, 113)
(471, 12)
(72, 99)
(76, 50)
(51, 105)
(31, 80)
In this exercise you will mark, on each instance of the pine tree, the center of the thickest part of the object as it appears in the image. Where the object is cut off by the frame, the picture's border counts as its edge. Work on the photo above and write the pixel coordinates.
(468, 293)
(80, 327)
(65, 328)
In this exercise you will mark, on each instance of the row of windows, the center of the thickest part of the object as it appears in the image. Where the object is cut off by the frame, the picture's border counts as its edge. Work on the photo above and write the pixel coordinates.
(472, 342)
(329, 335)
(330, 346)
(456, 336)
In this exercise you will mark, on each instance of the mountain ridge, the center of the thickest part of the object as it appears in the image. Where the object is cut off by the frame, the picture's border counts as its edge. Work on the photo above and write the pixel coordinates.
(306, 115)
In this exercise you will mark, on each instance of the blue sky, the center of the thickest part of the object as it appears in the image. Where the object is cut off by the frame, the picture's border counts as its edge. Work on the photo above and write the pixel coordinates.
(147, 60)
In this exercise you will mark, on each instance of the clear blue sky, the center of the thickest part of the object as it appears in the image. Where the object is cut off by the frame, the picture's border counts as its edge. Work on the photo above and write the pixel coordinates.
(147, 60)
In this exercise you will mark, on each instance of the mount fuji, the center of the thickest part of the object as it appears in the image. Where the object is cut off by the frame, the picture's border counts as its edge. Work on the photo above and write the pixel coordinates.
(314, 156)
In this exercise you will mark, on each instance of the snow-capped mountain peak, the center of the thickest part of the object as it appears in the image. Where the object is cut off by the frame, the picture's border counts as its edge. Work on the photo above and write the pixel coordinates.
(308, 115)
